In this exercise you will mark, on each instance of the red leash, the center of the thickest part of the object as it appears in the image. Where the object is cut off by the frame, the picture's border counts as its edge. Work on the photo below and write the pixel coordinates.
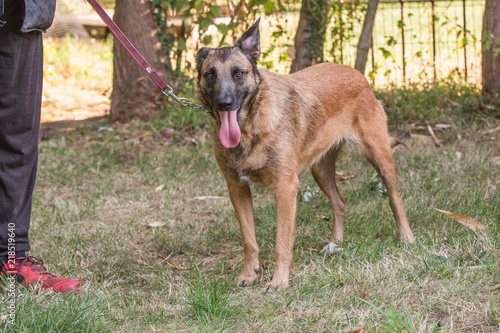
(128, 45)
(140, 59)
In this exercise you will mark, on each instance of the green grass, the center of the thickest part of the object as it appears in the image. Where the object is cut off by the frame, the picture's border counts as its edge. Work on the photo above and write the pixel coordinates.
(49, 312)
(441, 102)
(212, 303)
(98, 193)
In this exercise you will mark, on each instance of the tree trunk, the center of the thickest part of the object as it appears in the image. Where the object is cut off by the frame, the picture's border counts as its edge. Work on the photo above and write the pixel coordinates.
(311, 33)
(134, 93)
(491, 38)
(364, 42)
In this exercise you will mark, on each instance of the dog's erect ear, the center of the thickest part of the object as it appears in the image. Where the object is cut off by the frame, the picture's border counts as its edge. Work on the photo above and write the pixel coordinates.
(200, 57)
(249, 43)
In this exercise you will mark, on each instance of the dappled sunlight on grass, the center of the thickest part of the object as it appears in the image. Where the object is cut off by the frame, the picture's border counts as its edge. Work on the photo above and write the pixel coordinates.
(77, 78)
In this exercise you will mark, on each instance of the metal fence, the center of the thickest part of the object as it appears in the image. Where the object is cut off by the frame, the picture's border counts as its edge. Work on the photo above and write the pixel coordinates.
(414, 41)
(427, 40)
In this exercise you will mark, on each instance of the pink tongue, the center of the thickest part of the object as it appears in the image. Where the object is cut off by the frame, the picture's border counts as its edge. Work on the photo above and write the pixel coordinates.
(229, 133)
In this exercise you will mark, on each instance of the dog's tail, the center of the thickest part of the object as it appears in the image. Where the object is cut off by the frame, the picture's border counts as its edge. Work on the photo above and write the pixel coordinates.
(393, 142)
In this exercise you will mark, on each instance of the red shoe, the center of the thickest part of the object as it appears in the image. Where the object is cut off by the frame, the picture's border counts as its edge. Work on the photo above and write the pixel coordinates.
(30, 271)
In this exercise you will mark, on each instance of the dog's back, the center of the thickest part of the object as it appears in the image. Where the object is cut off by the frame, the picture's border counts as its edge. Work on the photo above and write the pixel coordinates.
(316, 108)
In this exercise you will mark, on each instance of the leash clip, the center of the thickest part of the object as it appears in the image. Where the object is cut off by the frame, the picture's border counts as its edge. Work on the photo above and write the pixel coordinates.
(185, 102)
(181, 100)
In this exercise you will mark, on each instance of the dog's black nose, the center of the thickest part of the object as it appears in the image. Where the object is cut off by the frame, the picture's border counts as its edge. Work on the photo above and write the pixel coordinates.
(225, 104)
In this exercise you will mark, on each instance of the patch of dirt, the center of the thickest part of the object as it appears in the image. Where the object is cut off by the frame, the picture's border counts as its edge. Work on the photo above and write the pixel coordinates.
(69, 102)
(48, 130)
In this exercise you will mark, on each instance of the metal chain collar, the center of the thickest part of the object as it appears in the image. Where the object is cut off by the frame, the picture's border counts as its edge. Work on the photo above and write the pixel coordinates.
(185, 102)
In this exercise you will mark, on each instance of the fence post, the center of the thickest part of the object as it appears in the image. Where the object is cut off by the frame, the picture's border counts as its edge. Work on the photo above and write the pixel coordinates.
(403, 40)
(341, 34)
(434, 40)
(465, 42)
(373, 58)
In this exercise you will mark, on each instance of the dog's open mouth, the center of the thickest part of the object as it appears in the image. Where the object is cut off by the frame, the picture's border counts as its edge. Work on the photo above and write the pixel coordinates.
(229, 133)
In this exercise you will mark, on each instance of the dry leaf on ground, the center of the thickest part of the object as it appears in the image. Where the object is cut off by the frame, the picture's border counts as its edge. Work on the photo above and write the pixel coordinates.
(425, 139)
(171, 264)
(492, 130)
(209, 197)
(467, 221)
(443, 126)
(437, 143)
(344, 178)
(434, 127)
(452, 102)
(156, 224)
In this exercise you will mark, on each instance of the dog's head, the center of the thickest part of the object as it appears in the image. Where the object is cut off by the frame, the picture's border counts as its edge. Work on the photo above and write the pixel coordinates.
(227, 77)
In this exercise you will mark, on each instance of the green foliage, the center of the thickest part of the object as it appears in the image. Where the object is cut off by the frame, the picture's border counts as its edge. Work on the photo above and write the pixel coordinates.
(185, 118)
(215, 24)
(73, 59)
(444, 101)
(490, 43)
(347, 16)
(196, 19)
(179, 117)
(280, 38)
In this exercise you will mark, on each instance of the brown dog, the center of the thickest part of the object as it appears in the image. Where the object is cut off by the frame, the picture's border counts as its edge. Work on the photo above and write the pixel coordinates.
(274, 126)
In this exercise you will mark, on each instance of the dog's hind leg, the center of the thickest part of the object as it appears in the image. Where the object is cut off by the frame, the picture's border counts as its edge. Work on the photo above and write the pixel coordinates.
(241, 198)
(323, 172)
(378, 152)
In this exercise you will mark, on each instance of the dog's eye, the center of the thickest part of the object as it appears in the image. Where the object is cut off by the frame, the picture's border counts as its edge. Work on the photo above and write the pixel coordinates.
(239, 74)
(209, 76)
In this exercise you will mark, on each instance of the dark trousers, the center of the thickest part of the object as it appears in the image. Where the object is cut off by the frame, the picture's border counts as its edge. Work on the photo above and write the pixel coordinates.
(21, 67)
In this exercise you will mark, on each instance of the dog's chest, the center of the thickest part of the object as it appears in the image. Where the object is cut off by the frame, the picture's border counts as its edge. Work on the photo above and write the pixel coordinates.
(249, 164)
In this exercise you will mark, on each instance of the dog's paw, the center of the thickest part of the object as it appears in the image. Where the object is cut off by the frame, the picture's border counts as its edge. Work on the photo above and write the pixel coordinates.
(332, 248)
(248, 280)
(274, 286)
(267, 289)
(245, 281)
(407, 238)
(279, 281)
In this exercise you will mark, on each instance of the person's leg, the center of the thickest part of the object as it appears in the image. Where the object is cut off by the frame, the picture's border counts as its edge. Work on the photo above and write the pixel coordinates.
(21, 74)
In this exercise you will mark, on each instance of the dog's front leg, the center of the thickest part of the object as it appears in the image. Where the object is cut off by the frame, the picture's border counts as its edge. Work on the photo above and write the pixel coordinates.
(241, 198)
(285, 193)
